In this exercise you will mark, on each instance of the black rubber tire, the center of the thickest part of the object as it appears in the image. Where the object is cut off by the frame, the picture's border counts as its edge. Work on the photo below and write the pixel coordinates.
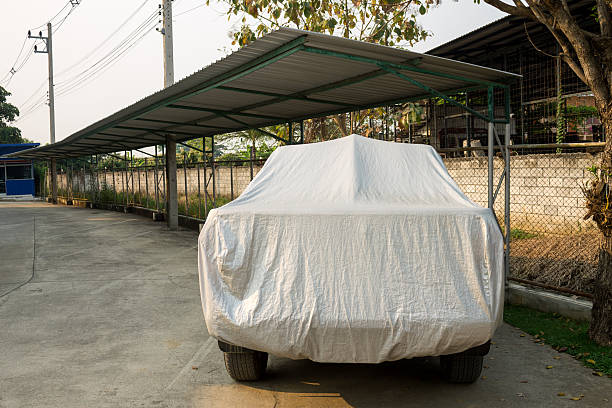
(461, 368)
(247, 366)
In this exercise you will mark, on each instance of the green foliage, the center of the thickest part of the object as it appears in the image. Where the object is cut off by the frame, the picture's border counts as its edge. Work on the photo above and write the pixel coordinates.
(262, 151)
(388, 22)
(8, 113)
(563, 334)
(517, 233)
(197, 206)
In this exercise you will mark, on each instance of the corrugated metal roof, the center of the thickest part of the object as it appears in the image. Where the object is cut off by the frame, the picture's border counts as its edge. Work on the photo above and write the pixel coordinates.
(508, 31)
(287, 75)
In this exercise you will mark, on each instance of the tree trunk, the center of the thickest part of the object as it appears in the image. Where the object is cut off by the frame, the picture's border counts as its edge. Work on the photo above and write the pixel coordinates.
(600, 330)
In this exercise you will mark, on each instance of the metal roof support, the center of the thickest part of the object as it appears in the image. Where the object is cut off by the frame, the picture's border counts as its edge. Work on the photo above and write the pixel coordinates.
(434, 92)
(171, 184)
(54, 180)
(404, 67)
(301, 132)
(490, 141)
(296, 97)
(323, 88)
(152, 131)
(220, 112)
(169, 122)
(212, 162)
(192, 147)
(507, 193)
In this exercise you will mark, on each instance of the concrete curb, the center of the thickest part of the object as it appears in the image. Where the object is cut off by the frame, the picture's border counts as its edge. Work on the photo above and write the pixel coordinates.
(544, 301)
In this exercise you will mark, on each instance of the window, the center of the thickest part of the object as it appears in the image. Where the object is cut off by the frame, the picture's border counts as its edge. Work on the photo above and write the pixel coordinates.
(18, 172)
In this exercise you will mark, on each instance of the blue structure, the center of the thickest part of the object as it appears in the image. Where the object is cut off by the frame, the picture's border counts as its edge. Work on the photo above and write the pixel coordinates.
(16, 175)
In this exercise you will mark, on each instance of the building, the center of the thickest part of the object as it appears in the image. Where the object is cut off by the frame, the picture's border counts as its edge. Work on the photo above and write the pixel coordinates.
(16, 175)
(550, 104)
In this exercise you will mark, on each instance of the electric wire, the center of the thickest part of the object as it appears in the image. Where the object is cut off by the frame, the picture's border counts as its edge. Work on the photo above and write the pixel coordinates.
(116, 49)
(189, 11)
(108, 60)
(105, 41)
(104, 68)
(17, 66)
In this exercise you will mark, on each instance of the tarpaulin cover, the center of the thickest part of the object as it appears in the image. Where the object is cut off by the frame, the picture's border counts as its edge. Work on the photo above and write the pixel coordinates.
(353, 250)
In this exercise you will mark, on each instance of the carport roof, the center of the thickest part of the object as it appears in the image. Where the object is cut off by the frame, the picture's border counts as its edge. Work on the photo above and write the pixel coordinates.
(286, 76)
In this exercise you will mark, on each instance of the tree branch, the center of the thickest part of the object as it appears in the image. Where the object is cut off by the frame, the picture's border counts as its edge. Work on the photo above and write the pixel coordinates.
(603, 12)
(517, 10)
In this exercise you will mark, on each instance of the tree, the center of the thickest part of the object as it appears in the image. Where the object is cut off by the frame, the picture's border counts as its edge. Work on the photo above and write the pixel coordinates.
(388, 22)
(8, 113)
(589, 55)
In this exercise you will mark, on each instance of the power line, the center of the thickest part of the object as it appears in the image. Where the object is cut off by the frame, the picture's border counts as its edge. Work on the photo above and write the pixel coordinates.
(190, 10)
(112, 52)
(18, 65)
(81, 79)
(105, 41)
(107, 65)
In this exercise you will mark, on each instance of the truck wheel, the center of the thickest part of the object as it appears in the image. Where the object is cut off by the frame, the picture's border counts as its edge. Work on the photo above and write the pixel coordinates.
(461, 368)
(246, 366)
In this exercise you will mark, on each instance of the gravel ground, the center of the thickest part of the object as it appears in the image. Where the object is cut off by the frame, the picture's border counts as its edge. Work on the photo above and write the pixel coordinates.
(567, 261)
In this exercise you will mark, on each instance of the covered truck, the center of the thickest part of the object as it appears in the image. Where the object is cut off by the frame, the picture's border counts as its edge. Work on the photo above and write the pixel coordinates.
(354, 251)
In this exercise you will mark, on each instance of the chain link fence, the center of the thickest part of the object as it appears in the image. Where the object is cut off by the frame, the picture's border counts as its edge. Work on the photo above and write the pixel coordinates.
(551, 243)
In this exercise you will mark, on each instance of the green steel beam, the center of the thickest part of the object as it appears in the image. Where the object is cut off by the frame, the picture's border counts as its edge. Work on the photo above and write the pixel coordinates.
(219, 112)
(304, 94)
(262, 61)
(143, 152)
(248, 126)
(124, 137)
(402, 67)
(490, 104)
(507, 104)
(432, 91)
(169, 122)
(323, 88)
(284, 97)
(154, 131)
(191, 147)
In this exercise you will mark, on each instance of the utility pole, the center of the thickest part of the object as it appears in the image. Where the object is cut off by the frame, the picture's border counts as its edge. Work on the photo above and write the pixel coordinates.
(168, 44)
(48, 40)
(171, 179)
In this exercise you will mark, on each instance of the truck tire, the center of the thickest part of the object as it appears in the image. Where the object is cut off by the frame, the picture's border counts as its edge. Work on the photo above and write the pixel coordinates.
(461, 368)
(246, 366)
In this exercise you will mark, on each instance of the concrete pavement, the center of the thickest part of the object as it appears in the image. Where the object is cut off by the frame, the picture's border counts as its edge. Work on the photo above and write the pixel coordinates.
(111, 317)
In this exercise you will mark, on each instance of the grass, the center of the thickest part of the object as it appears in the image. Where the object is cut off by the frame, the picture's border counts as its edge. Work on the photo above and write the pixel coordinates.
(564, 335)
(198, 206)
(516, 233)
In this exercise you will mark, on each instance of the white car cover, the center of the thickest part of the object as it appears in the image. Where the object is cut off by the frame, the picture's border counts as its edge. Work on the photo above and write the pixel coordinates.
(354, 250)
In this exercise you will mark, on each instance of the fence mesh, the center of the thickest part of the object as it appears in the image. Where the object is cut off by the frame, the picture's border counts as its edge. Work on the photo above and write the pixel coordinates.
(551, 243)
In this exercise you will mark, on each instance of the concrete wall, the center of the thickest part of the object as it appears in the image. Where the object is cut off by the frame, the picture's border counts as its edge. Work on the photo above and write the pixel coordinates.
(140, 181)
(545, 188)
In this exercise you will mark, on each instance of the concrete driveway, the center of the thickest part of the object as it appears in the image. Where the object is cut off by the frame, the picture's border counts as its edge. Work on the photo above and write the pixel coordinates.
(111, 317)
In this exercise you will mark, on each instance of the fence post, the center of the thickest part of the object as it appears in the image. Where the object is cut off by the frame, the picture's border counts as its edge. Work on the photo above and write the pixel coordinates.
(185, 180)
(490, 142)
(212, 156)
(199, 192)
(251, 161)
(232, 180)
(114, 184)
(156, 183)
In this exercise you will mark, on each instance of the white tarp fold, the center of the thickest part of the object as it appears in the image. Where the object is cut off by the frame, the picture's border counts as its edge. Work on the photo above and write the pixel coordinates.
(353, 250)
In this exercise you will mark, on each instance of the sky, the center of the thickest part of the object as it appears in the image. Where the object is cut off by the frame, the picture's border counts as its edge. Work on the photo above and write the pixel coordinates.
(87, 89)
